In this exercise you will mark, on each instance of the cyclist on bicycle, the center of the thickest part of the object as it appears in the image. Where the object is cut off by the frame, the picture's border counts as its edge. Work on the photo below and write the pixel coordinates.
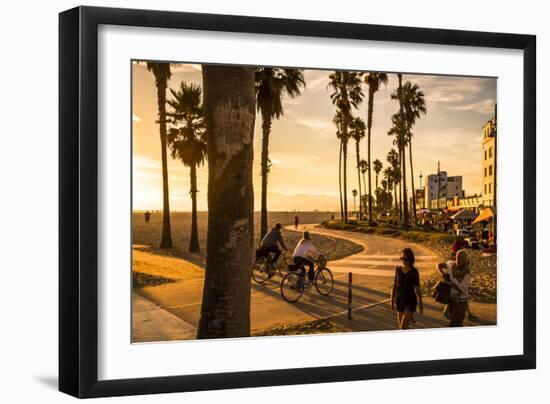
(271, 241)
(302, 253)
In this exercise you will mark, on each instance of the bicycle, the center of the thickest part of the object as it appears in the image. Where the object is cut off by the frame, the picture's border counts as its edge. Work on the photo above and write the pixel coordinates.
(264, 269)
(293, 283)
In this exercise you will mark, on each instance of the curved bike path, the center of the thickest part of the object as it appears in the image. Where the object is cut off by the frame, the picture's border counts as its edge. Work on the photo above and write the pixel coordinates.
(372, 270)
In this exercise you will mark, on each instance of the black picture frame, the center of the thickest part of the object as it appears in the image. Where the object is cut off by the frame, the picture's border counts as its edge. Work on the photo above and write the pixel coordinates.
(78, 200)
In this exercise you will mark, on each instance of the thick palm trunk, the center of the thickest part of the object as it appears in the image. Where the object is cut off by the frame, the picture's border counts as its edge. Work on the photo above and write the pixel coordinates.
(340, 181)
(229, 108)
(369, 126)
(357, 155)
(166, 237)
(266, 129)
(403, 162)
(194, 246)
(412, 182)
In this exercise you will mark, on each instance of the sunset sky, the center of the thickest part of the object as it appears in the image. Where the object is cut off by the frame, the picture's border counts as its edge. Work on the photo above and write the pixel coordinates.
(303, 144)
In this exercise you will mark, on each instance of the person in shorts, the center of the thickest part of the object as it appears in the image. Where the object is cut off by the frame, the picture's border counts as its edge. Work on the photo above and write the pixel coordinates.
(405, 293)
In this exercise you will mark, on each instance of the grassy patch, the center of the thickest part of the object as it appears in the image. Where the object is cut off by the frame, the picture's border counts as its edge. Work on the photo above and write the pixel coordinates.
(391, 231)
(312, 327)
(141, 280)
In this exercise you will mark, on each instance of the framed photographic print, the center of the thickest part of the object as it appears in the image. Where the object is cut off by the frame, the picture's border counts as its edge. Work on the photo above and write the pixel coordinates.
(250, 201)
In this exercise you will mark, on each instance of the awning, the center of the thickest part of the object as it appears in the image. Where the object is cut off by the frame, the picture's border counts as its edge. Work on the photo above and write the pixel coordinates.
(485, 215)
(464, 214)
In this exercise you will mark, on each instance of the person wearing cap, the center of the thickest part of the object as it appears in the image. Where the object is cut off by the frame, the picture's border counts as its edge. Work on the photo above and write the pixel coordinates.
(302, 253)
(271, 241)
(405, 293)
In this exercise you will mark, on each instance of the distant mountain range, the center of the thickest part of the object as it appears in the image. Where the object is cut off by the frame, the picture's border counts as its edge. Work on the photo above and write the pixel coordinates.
(281, 202)
(277, 203)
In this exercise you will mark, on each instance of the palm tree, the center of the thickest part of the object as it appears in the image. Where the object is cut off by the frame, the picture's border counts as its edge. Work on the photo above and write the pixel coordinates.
(338, 122)
(346, 95)
(398, 95)
(354, 193)
(390, 183)
(398, 142)
(393, 172)
(373, 80)
(377, 166)
(363, 166)
(187, 140)
(357, 132)
(229, 112)
(162, 74)
(414, 104)
(271, 85)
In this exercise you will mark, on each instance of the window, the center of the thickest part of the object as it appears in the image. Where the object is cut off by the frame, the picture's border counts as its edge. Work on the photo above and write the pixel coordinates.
(485, 189)
(485, 175)
(490, 171)
(485, 154)
(489, 188)
(490, 152)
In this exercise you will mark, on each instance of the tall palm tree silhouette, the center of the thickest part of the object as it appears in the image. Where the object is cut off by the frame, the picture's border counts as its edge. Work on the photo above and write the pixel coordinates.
(162, 74)
(398, 95)
(347, 94)
(395, 131)
(187, 140)
(271, 86)
(414, 104)
(373, 80)
(393, 172)
(357, 132)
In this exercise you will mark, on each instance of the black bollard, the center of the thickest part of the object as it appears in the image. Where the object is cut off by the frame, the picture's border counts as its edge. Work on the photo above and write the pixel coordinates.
(349, 294)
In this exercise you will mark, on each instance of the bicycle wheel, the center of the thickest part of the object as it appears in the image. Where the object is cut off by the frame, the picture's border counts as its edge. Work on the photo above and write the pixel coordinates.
(292, 287)
(324, 281)
(282, 266)
(260, 271)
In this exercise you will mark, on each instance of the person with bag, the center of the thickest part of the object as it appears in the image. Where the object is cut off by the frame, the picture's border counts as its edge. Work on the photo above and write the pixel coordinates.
(457, 275)
(405, 293)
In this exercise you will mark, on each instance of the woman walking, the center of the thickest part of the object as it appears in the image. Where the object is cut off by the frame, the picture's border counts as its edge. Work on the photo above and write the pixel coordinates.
(405, 293)
(457, 274)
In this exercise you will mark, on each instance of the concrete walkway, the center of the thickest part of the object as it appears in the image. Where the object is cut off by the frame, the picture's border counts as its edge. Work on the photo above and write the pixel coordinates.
(152, 323)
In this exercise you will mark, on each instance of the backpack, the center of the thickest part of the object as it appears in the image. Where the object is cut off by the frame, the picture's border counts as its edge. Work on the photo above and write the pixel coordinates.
(442, 292)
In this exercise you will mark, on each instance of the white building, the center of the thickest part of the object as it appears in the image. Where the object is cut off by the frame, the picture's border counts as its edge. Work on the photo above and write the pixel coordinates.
(449, 187)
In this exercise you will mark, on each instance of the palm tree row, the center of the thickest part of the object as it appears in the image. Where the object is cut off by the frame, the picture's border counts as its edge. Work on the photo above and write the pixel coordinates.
(222, 130)
(412, 104)
(187, 137)
(346, 95)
